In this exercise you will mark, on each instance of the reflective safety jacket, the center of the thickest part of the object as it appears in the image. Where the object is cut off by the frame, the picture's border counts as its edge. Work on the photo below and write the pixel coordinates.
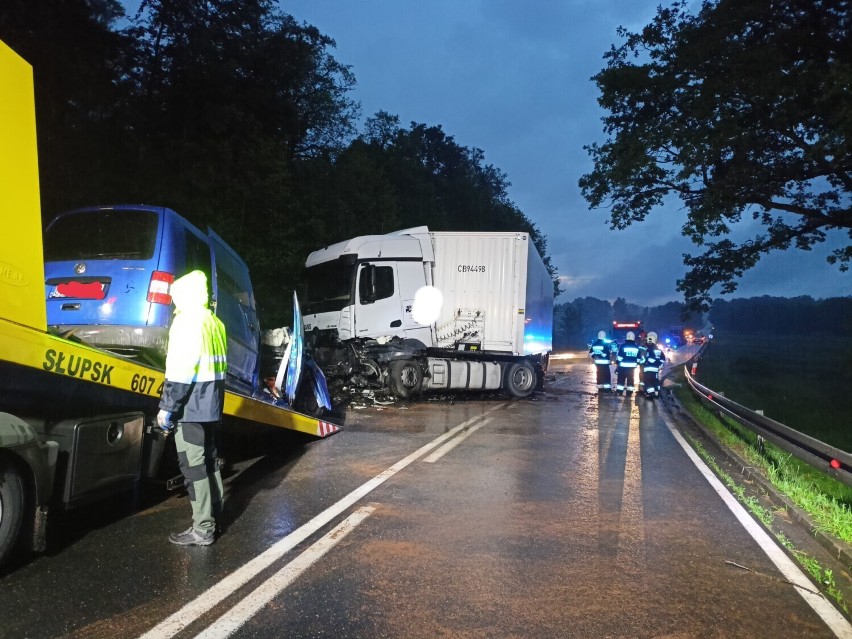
(196, 361)
(601, 351)
(654, 358)
(628, 354)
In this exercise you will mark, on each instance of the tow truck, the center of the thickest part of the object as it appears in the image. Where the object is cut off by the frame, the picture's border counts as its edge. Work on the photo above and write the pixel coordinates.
(76, 423)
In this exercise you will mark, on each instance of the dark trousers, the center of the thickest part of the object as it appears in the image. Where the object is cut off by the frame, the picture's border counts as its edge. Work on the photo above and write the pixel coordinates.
(652, 382)
(625, 378)
(196, 449)
(604, 376)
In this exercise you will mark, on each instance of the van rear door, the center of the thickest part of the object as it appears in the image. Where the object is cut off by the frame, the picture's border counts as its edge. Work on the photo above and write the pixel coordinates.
(98, 264)
(233, 297)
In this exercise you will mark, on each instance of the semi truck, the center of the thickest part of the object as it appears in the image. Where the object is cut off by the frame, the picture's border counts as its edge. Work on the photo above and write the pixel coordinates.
(77, 422)
(416, 311)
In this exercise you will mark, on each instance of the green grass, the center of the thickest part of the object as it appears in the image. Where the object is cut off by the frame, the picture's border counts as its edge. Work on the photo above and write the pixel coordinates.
(803, 382)
(828, 501)
(823, 576)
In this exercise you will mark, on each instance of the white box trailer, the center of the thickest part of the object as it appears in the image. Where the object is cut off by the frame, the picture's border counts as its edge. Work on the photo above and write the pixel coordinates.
(496, 281)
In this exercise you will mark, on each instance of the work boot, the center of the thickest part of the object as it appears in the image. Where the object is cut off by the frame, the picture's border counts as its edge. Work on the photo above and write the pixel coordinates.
(191, 537)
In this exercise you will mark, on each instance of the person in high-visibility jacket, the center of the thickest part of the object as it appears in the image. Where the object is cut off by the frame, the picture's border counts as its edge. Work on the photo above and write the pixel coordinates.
(601, 352)
(627, 360)
(192, 401)
(654, 358)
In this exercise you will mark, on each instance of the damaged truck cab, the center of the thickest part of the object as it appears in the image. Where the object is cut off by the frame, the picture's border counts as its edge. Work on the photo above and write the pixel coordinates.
(417, 311)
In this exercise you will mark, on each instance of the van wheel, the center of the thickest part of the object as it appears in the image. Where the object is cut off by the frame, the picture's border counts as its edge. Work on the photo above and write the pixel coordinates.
(11, 507)
(406, 377)
(520, 379)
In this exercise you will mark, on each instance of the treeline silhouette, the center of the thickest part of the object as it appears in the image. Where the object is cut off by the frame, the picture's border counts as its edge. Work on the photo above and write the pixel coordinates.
(803, 316)
(576, 323)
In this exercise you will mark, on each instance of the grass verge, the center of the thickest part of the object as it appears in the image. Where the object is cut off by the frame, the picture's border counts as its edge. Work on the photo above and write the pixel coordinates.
(827, 501)
(823, 576)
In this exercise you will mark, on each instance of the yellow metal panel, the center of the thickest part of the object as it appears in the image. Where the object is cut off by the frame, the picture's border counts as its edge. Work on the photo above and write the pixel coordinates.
(22, 346)
(263, 413)
(21, 259)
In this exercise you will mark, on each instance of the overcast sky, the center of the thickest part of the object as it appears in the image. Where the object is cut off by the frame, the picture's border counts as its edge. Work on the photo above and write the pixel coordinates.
(513, 78)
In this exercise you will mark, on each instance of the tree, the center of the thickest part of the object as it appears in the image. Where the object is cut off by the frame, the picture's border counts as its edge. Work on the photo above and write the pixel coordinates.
(79, 92)
(742, 109)
(235, 101)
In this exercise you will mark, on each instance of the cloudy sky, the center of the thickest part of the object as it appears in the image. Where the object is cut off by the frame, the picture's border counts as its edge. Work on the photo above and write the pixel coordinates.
(513, 78)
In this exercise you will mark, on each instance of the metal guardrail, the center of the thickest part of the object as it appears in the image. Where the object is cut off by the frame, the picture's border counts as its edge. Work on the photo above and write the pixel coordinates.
(832, 461)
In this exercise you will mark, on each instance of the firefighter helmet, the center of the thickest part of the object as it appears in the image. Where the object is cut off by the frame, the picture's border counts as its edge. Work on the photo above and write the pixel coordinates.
(631, 335)
(601, 334)
(652, 337)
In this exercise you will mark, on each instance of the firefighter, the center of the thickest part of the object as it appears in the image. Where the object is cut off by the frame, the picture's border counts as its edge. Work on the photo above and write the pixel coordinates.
(192, 401)
(641, 360)
(601, 352)
(627, 360)
(653, 364)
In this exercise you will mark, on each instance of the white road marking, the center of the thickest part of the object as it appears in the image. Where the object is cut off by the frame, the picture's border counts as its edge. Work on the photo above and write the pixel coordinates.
(443, 450)
(792, 573)
(207, 600)
(237, 616)
(631, 540)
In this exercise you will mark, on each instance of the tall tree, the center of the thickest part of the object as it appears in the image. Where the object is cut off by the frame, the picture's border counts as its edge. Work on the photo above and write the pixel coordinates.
(231, 93)
(233, 98)
(80, 92)
(741, 109)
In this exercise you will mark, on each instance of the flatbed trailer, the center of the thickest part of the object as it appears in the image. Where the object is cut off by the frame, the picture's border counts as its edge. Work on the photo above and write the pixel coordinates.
(76, 423)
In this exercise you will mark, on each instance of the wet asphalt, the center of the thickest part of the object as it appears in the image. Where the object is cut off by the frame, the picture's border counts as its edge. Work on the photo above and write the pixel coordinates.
(568, 515)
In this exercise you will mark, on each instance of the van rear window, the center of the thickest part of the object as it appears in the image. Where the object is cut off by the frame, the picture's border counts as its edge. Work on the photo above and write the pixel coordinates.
(102, 235)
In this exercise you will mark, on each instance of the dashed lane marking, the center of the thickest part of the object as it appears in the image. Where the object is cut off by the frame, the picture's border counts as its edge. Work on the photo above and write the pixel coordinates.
(443, 450)
(237, 616)
(207, 600)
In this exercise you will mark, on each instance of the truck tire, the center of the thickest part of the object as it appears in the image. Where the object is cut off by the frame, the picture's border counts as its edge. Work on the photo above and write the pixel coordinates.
(11, 507)
(406, 377)
(520, 379)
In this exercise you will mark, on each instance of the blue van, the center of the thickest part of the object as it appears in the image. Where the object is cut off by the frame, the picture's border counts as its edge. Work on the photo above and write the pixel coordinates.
(107, 275)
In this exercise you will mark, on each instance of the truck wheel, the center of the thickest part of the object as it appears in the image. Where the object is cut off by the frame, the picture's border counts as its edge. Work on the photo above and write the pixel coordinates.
(11, 507)
(520, 379)
(406, 376)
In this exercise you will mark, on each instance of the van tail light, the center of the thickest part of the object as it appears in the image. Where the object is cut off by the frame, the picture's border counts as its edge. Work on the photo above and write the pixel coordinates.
(158, 289)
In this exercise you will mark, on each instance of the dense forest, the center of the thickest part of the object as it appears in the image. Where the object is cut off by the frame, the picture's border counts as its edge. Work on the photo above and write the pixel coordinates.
(239, 117)
(576, 323)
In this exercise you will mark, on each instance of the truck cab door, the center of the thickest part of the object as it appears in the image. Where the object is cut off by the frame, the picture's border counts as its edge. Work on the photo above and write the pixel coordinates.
(378, 309)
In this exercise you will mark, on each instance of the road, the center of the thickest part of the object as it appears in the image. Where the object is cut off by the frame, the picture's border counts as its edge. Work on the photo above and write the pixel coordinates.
(570, 515)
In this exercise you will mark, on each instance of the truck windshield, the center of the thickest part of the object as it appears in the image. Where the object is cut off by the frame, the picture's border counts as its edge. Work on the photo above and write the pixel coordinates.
(328, 287)
(102, 235)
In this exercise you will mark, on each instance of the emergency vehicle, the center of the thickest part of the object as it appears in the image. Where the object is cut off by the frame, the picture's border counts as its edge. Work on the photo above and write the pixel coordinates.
(77, 423)
(620, 329)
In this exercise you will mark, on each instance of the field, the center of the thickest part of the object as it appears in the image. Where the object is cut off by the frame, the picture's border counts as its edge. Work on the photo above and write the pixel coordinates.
(804, 382)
